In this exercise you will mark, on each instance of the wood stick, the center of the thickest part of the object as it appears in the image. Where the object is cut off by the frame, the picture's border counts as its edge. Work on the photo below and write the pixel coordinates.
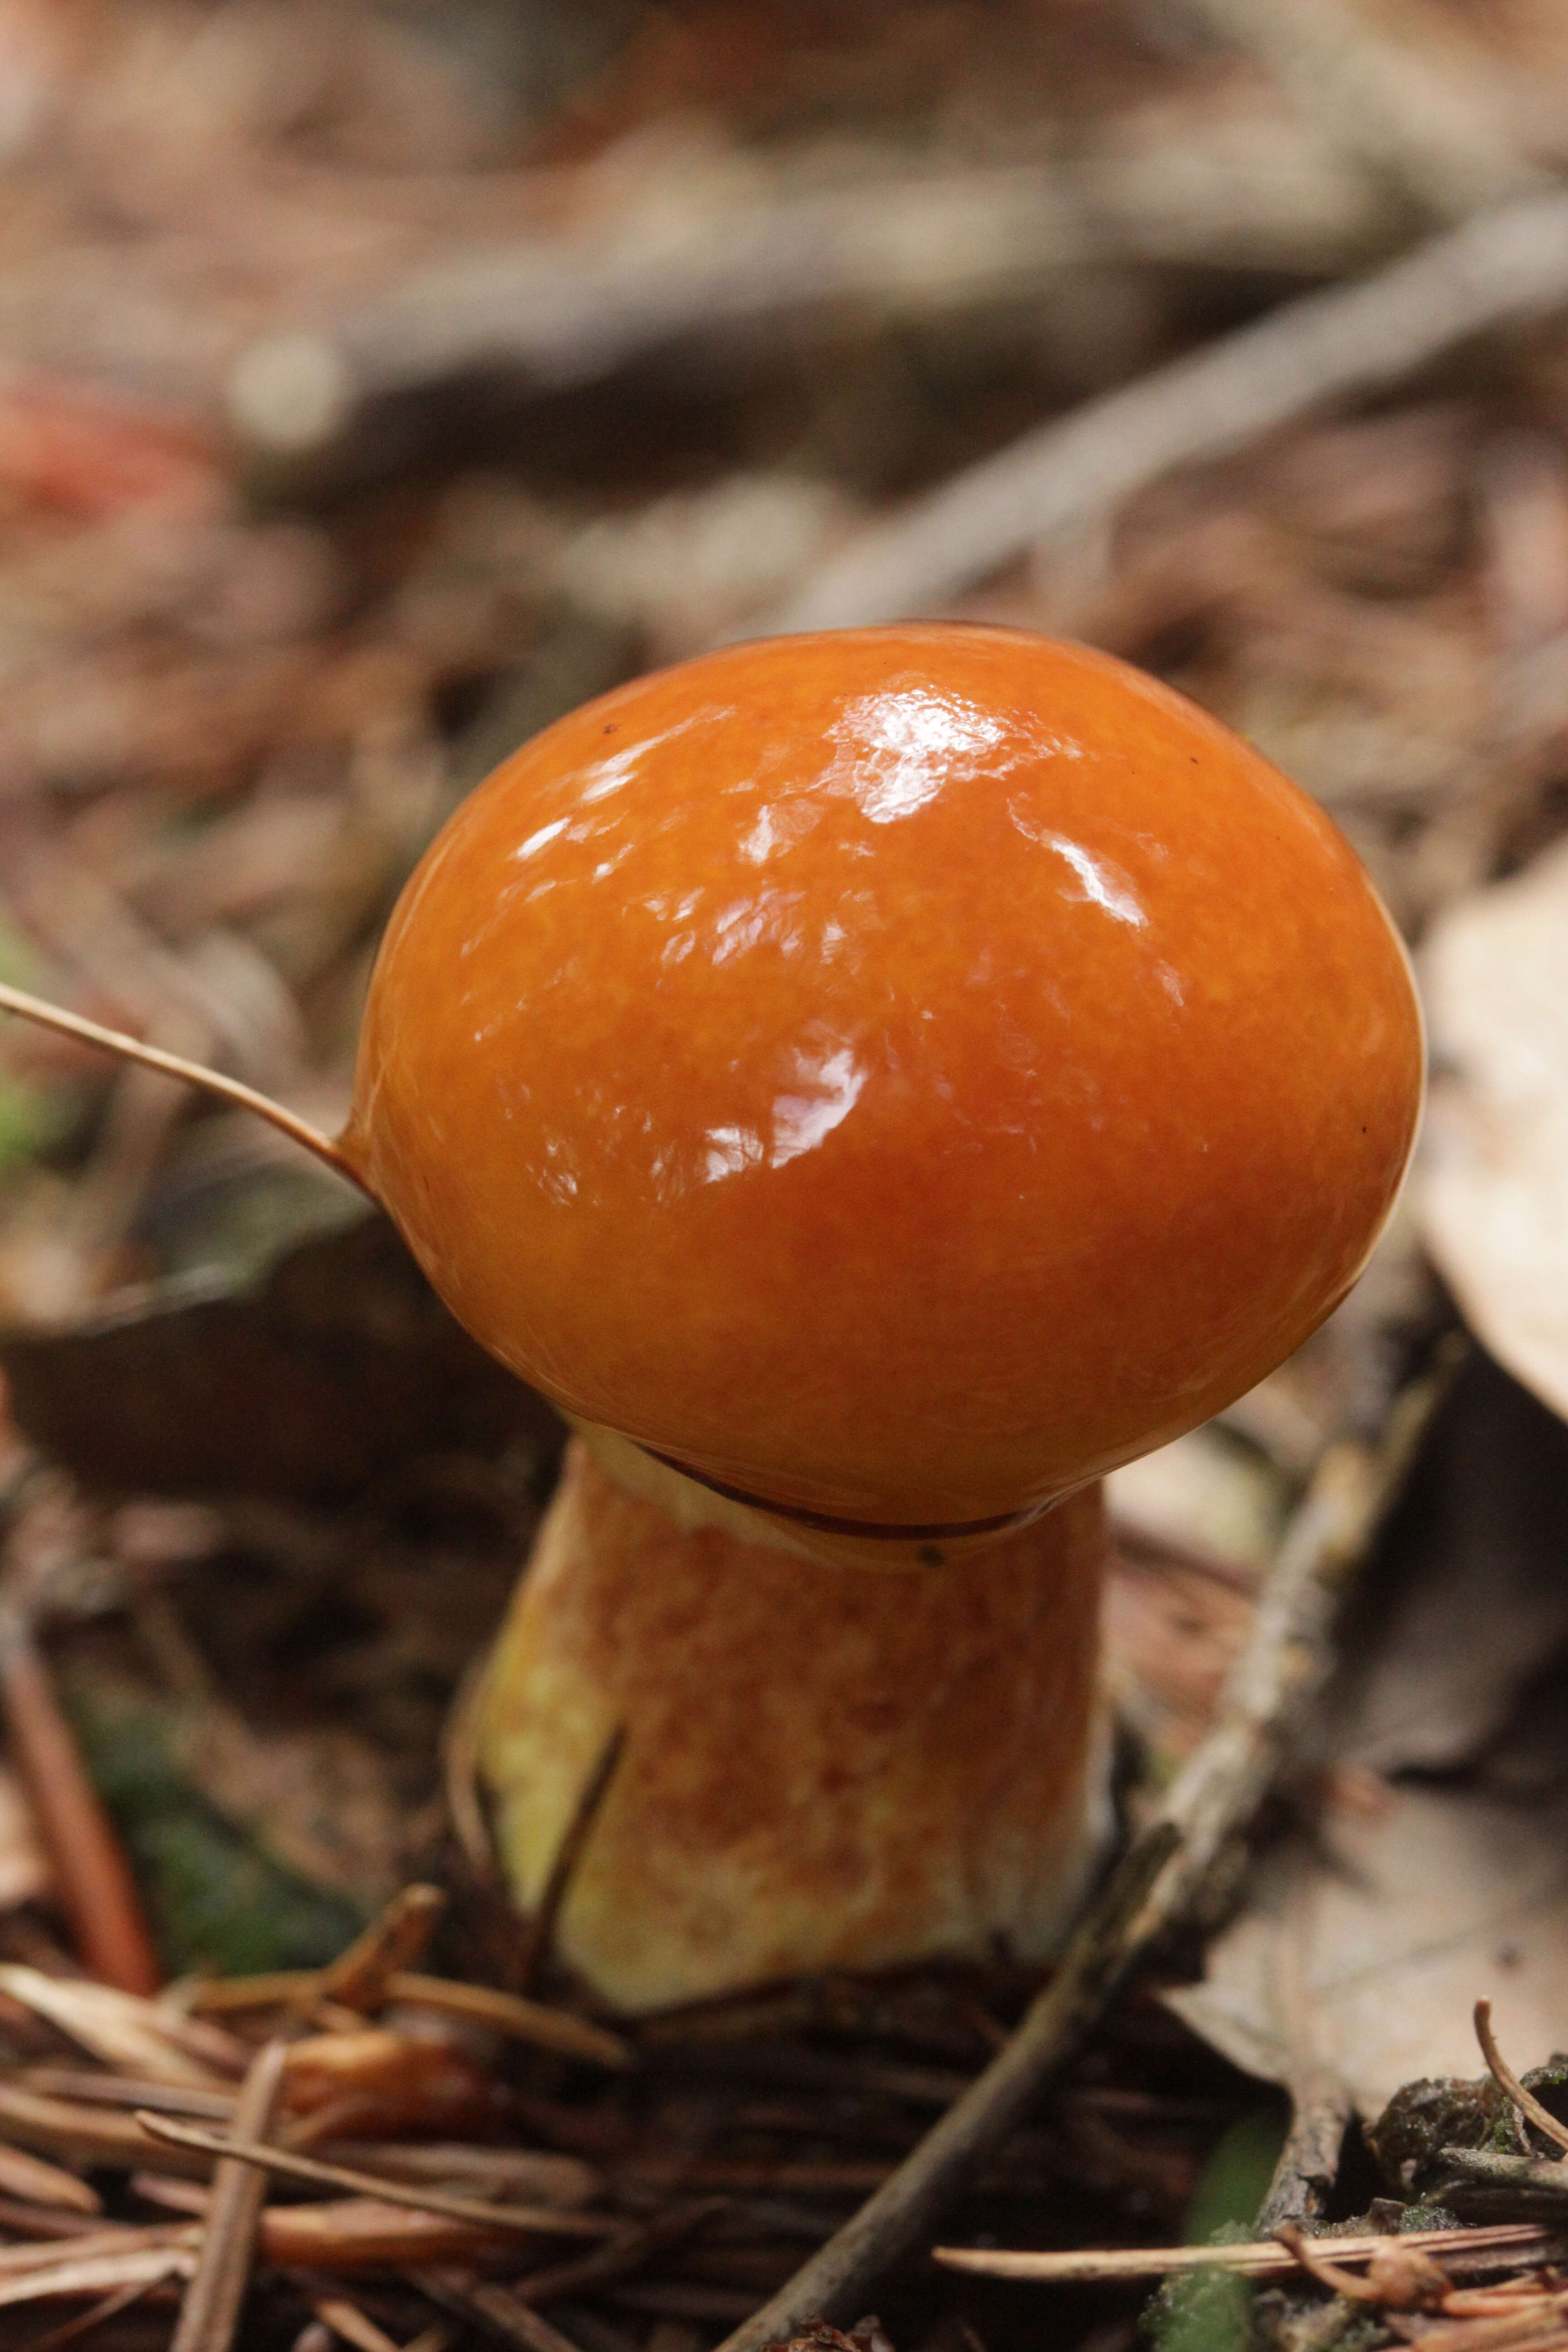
(114, 2238)
(209, 2311)
(1159, 1880)
(508, 2012)
(568, 309)
(1508, 2245)
(95, 2275)
(1500, 268)
(542, 2220)
(1525, 2178)
(1381, 101)
(1309, 2160)
(88, 2135)
(356, 2327)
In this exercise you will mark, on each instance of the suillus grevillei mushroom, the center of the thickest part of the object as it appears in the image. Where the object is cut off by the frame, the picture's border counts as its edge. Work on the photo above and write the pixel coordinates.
(874, 1083)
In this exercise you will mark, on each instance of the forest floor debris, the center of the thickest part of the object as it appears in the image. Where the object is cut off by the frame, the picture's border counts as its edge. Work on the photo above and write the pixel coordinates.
(379, 385)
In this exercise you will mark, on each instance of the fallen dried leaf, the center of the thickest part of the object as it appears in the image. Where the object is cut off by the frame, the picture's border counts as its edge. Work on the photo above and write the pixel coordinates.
(1359, 1954)
(1492, 1188)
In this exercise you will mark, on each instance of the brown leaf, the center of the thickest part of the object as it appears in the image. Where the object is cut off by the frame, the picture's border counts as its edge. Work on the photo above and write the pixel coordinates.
(1491, 1189)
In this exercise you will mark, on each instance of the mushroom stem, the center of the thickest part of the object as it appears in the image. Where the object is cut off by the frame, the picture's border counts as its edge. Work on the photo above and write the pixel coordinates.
(174, 1065)
(824, 1766)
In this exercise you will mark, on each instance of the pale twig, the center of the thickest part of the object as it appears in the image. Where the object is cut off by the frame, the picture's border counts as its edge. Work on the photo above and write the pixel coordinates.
(510, 2013)
(115, 2237)
(569, 309)
(1508, 2084)
(30, 2179)
(1506, 2246)
(1383, 101)
(538, 2220)
(174, 1065)
(505, 2013)
(1158, 1883)
(1476, 2175)
(100, 2275)
(209, 2312)
(1500, 268)
(86, 2134)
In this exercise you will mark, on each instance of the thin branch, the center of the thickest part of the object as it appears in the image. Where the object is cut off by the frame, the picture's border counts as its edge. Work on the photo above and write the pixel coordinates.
(1469, 2173)
(174, 1065)
(115, 2237)
(569, 309)
(1508, 2245)
(541, 2221)
(1379, 101)
(1158, 1882)
(1508, 2084)
(209, 2312)
(99, 2273)
(1500, 268)
(505, 2013)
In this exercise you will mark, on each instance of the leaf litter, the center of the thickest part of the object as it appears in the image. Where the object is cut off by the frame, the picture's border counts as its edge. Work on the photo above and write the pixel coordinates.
(290, 550)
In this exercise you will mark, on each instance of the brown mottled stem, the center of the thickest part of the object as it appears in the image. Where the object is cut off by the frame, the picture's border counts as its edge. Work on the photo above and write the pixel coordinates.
(174, 1065)
(1159, 1879)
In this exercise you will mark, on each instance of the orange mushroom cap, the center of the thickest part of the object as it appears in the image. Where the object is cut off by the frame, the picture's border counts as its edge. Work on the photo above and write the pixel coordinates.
(895, 1074)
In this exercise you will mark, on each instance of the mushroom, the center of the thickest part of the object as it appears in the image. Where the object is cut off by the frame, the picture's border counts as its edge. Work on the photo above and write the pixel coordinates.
(874, 1083)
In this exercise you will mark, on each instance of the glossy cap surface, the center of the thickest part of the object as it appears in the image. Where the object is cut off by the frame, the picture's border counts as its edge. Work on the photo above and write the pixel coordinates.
(898, 1074)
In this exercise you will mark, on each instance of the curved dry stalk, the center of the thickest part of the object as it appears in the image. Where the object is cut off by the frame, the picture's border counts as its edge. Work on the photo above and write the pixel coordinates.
(1508, 2084)
(126, 1049)
(1499, 2246)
